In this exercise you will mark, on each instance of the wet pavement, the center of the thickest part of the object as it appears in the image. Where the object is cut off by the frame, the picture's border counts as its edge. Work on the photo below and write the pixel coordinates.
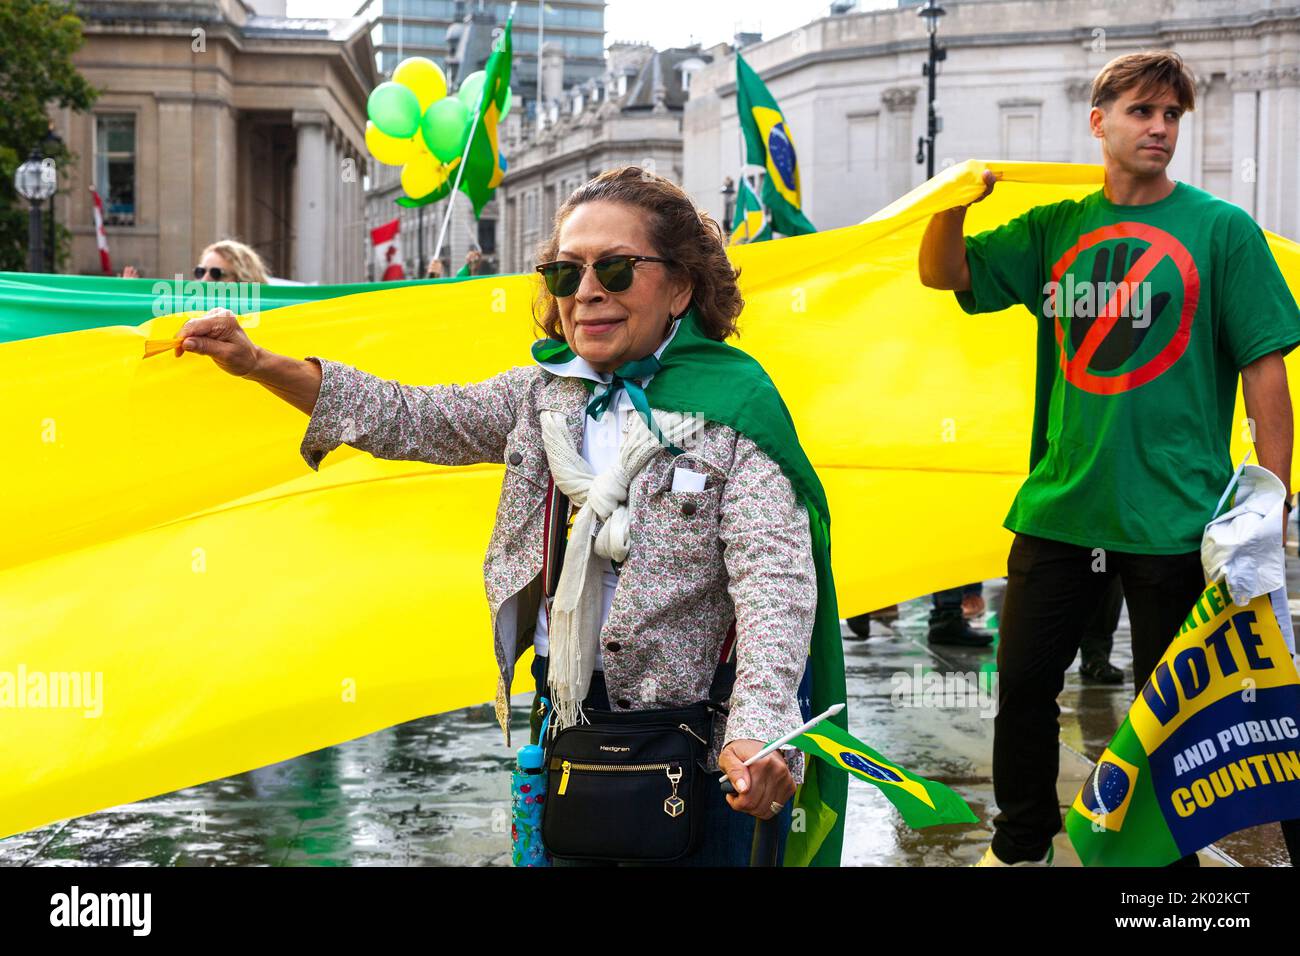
(436, 791)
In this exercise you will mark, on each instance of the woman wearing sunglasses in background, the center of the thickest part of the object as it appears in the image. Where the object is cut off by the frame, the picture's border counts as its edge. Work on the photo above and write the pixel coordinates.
(230, 261)
(701, 565)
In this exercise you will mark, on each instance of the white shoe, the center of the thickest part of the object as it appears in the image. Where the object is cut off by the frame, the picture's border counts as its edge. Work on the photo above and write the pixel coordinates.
(990, 859)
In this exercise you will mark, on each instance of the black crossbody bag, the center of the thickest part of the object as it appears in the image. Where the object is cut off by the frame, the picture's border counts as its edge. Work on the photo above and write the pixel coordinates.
(629, 785)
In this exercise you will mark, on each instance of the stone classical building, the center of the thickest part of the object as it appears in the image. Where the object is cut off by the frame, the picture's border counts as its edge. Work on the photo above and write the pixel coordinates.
(221, 118)
(630, 115)
(1014, 86)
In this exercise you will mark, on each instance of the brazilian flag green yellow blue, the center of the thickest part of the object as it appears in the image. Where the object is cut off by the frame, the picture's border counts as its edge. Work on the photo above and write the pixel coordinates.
(749, 224)
(770, 144)
(1209, 747)
(161, 529)
(921, 802)
(485, 166)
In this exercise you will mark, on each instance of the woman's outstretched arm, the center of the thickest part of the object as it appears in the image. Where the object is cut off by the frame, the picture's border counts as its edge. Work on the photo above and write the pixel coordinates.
(440, 424)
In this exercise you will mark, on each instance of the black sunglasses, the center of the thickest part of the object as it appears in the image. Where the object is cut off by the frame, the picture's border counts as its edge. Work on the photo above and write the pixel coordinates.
(615, 273)
(215, 272)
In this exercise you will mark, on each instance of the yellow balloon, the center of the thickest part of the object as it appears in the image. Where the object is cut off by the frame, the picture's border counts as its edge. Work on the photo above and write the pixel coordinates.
(422, 77)
(422, 175)
(387, 149)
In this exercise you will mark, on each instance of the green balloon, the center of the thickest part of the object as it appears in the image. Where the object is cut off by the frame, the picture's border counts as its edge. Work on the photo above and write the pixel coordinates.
(469, 90)
(445, 128)
(394, 109)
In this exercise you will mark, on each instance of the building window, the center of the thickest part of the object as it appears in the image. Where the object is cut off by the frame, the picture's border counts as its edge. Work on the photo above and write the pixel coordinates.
(487, 236)
(1020, 128)
(864, 141)
(115, 166)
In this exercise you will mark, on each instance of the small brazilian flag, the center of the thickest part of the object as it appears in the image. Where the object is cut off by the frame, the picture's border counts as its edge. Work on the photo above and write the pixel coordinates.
(750, 222)
(485, 166)
(922, 803)
(768, 143)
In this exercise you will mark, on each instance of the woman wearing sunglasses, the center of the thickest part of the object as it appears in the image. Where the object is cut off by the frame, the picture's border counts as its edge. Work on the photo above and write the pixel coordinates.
(230, 261)
(689, 566)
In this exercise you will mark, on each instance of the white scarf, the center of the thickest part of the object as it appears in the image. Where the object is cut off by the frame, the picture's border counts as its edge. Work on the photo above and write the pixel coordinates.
(574, 619)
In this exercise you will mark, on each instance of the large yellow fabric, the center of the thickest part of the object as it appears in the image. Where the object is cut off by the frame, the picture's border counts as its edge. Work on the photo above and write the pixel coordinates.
(160, 528)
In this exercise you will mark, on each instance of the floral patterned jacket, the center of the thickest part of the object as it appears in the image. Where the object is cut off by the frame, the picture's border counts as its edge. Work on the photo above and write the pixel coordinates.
(737, 551)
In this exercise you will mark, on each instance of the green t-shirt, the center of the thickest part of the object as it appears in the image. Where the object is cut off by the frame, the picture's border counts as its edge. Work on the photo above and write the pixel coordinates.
(1130, 447)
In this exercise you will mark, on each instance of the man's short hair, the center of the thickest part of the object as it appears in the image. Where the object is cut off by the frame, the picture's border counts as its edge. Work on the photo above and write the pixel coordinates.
(1152, 70)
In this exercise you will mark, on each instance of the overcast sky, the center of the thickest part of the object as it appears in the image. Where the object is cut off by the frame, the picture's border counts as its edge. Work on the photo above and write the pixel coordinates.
(664, 23)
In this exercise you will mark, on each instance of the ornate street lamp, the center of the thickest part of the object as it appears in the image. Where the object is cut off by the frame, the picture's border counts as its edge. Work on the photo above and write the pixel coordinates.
(36, 183)
(931, 13)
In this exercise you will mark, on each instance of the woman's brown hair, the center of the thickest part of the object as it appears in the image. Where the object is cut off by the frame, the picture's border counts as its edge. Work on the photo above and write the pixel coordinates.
(679, 231)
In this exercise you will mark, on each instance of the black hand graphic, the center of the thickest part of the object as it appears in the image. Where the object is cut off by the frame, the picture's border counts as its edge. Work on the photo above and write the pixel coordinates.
(1129, 331)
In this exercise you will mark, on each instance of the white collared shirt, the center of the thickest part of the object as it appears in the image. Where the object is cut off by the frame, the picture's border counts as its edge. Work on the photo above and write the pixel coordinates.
(601, 441)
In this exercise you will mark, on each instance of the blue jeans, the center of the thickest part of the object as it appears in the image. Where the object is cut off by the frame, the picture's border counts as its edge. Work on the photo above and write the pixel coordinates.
(728, 834)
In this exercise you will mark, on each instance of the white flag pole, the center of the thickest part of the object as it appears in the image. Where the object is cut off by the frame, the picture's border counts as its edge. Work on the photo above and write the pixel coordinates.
(782, 741)
(464, 157)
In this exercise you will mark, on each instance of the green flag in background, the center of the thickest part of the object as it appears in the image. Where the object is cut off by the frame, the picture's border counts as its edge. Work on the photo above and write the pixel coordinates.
(768, 143)
(750, 221)
(485, 166)
(923, 803)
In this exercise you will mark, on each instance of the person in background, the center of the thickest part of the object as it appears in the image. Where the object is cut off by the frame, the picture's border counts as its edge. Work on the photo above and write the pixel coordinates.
(230, 260)
(470, 268)
(1099, 637)
(949, 615)
(435, 270)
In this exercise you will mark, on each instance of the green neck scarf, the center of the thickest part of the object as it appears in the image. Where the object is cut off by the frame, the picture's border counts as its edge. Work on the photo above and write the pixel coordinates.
(725, 385)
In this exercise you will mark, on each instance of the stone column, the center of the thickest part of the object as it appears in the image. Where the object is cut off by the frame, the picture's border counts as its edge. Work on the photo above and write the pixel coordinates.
(1279, 132)
(309, 213)
(1189, 155)
(1083, 148)
(900, 106)
(180, 203)
(1245, 138)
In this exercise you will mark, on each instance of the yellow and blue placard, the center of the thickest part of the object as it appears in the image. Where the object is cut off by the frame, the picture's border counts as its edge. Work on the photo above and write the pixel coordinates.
(1209, 747)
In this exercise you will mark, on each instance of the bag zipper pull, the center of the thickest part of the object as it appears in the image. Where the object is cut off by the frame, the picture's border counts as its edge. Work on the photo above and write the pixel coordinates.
(674, 805)
(692, 733)
(564, 778)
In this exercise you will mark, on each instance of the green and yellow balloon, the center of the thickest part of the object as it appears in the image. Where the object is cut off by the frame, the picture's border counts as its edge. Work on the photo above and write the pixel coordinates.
(414, 124)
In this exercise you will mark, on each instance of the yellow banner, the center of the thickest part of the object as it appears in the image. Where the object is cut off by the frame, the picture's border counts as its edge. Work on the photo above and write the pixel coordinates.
(163, 536)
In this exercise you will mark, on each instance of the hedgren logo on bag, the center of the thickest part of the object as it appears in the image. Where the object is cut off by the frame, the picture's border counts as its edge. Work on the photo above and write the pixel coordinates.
(74, 690)
(952, 689)
(75, 908)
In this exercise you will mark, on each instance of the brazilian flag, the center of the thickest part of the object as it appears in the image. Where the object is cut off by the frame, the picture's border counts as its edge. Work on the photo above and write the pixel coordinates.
(922, 802)
(768, 143)
(485, 167)
(750, 222)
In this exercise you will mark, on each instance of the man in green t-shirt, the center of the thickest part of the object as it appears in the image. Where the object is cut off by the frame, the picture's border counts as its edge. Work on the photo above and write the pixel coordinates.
(1151, 297)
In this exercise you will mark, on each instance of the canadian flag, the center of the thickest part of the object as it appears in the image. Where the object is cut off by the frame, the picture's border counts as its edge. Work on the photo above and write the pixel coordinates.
(388, 251)
(101, 238)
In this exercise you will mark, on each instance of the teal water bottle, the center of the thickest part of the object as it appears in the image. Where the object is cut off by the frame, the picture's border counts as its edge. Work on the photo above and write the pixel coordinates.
(527, 798)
